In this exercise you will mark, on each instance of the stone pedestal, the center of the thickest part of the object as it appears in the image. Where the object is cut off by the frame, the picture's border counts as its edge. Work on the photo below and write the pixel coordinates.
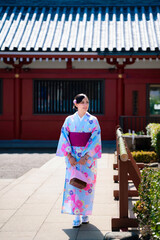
(139, 142)
(121, 235)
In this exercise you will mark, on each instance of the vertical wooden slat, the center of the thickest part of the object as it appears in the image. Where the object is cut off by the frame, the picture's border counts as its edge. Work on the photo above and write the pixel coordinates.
(43, 89)
(1, 96)
(74, 86)
(58, 96)
(45, 96)
(35, 97)
(99, 102)
(89, 94)
(102, 94)
(55, 96)
(52, 100)
(95, 96)
(48, 97)
(67, 96)
(39, 96)
(90, 86)
(63, 97)
(84, 86)
(80, 85)
(41, 102)
(69, 93)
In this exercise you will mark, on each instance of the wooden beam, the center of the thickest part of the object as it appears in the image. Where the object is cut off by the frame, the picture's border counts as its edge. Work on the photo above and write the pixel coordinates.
(121, 223)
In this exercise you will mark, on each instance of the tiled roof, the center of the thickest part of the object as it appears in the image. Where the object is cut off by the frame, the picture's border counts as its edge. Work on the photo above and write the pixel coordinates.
(80, 29)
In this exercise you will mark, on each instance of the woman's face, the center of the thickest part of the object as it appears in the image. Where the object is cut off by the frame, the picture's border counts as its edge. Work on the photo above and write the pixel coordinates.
(83, 105)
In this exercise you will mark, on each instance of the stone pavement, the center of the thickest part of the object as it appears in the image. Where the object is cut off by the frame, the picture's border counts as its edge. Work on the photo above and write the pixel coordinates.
(30, 205)
(14, 165)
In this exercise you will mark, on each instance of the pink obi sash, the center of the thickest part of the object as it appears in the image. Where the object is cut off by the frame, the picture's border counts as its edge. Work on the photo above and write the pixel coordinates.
(79, 139)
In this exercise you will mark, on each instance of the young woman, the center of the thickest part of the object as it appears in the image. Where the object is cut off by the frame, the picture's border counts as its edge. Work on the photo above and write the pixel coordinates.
(80, 143)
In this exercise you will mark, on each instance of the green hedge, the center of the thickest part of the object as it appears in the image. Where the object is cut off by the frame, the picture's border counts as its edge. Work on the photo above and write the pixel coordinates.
(145, 157)
(147, 208)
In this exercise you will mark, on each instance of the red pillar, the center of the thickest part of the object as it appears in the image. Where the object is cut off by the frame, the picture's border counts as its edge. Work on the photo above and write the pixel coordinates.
(17, 103)
(120, 87)
(120, 96)
(17, 93)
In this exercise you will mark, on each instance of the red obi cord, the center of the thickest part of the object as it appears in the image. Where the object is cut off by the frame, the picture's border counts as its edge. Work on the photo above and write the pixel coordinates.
(79, 139)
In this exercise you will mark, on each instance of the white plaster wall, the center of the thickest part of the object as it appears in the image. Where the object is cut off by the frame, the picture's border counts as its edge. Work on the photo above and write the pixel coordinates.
(39, 64)
(3, 65)
(46, 64)
(85, 65)
(144, 65)
(91, 64)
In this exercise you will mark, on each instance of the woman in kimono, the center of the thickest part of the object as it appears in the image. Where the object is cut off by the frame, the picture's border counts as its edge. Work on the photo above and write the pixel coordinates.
(80, 143)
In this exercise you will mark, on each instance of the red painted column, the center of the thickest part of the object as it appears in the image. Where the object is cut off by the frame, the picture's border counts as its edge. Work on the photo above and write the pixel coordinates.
(120, 96)
(17, 103)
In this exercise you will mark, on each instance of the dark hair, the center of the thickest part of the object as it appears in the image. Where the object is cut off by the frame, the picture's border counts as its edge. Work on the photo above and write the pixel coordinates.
(79, 98)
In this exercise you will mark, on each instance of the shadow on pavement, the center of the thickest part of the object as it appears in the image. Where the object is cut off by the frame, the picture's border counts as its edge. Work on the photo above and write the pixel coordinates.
(85, 232)
(72, 233)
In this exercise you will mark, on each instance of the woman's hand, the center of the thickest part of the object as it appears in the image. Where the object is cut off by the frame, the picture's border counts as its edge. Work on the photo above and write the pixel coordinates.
(83, 159)
(72, 160)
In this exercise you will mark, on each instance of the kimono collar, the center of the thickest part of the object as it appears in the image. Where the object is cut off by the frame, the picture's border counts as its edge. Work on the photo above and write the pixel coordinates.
(80, 118)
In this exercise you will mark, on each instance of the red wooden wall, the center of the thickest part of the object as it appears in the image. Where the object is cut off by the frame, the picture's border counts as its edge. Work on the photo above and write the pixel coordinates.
(35, 127)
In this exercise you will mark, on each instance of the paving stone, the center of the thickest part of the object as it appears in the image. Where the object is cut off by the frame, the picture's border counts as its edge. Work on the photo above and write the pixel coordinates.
(17, 235)
(23, 224)
(5, 215)
(34, 210)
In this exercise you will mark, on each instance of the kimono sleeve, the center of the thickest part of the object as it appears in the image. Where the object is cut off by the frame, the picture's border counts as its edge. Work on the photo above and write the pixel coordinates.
(64, 146)
(93, 146)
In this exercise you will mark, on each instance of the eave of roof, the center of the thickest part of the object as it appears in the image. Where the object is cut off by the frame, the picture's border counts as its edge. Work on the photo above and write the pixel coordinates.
(63, 55)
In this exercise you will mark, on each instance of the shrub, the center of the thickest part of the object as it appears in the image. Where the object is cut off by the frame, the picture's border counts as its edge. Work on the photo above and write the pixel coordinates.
(147, 208)
(152, 130)
(146, 157)
(157, 148)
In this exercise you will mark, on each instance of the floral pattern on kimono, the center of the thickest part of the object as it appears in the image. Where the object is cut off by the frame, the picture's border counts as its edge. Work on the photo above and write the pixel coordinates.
(80, 201)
